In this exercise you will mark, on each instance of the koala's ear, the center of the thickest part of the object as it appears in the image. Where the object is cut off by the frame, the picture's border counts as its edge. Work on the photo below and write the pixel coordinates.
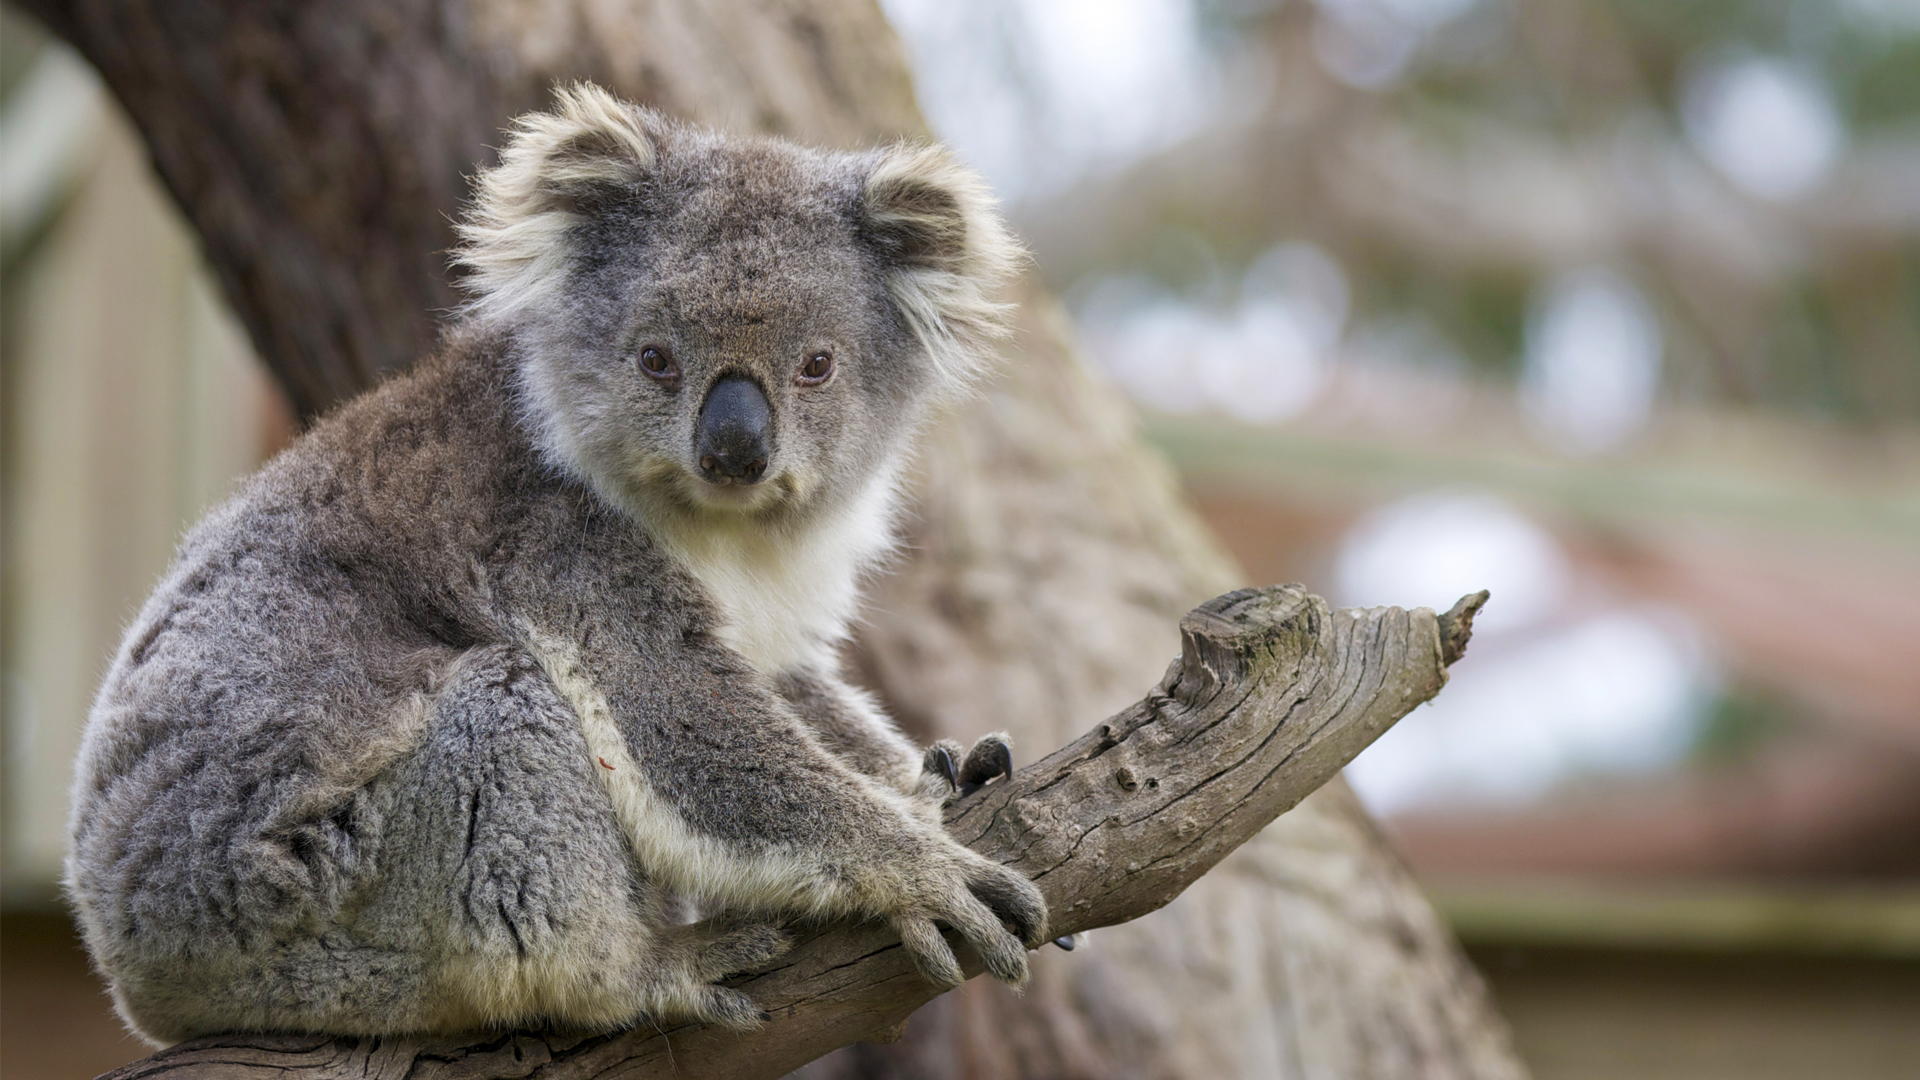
(556, 168)
(947, 254)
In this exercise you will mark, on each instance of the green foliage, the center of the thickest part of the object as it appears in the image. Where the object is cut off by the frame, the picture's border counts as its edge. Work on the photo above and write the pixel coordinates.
(1880, 82)
(1739, 723)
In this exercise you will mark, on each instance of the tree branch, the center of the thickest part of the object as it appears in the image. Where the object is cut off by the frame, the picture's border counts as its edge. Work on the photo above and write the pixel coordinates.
(1272, 695)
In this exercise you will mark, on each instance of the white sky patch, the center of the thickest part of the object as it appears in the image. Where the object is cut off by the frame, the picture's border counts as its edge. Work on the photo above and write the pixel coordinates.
(1769, 126)
(1261, 360)
(1617, 694)
(1306, 280)
(1040, 93)
(1899, 16)
(1367, 43)
(1401, 369)
(1432, 549)
(1535, 700)
(1592, 365)
(1271, 363)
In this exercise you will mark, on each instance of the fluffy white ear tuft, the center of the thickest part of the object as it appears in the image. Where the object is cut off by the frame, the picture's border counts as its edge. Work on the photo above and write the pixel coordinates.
(589, 146)
(948, 254)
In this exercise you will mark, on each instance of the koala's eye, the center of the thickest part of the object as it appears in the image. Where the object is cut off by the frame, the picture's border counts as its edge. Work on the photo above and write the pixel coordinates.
(655, 362)
(815, 370)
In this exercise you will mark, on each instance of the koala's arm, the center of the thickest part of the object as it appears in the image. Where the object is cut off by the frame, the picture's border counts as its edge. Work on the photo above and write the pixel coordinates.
(727, 795)
(850, 724)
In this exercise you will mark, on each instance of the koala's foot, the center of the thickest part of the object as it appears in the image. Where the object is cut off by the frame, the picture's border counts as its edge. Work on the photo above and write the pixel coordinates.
(946, 773)
(696, 957)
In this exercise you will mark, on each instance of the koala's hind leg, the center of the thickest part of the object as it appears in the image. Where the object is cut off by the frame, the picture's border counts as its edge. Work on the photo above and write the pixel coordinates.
(506, 842)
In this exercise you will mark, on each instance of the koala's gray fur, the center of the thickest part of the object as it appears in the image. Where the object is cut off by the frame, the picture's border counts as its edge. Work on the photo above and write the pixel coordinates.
(445, 719)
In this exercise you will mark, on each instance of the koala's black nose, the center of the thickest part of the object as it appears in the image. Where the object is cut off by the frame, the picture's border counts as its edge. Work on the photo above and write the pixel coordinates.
(730, 441)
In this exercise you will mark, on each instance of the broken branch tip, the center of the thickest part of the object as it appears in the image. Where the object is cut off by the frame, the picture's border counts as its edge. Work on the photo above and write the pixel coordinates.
(1456, 626)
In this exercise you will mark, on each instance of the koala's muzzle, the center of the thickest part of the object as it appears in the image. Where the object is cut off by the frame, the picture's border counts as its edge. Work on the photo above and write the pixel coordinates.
(730, 440)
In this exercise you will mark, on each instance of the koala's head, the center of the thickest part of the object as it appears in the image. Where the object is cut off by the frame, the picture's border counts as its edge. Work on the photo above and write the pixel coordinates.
(711, 324)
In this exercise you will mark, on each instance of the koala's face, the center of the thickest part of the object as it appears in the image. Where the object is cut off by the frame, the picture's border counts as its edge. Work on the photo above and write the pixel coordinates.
(725, 341)
(713, 324)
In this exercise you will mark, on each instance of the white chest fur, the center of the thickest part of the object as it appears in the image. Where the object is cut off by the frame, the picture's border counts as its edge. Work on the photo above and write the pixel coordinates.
(787, 598)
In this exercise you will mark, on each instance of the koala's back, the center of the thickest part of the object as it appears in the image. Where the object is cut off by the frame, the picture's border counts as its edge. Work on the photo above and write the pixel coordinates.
(262, 803)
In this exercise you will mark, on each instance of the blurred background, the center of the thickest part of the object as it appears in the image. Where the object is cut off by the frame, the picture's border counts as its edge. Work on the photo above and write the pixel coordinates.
(1609, 306)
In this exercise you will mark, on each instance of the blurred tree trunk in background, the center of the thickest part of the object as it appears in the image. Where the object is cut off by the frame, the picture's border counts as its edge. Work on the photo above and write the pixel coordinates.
(322, 151)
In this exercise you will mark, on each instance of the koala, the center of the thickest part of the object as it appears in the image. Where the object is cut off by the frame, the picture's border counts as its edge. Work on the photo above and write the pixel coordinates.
(462, 708)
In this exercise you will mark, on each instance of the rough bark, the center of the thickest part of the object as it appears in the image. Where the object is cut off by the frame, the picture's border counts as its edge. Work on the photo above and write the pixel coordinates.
(321, 151)
(1272, 694)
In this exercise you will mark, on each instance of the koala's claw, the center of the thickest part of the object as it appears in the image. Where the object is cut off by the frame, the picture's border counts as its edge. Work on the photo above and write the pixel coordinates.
(991, 757)
(946, 773)
(942, 763)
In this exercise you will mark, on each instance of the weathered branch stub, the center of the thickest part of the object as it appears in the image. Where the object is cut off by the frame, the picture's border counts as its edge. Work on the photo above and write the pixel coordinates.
(1273, 693)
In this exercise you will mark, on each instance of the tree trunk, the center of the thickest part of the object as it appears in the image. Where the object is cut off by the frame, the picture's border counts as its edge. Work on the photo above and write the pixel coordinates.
(322, 150)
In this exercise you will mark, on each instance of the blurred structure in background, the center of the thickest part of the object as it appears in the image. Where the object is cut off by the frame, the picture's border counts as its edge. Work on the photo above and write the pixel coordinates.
(131, 403)
(1610, 306)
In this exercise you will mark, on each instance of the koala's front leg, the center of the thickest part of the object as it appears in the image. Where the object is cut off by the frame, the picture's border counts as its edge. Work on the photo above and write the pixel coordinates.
(851, 725)
(729, 797)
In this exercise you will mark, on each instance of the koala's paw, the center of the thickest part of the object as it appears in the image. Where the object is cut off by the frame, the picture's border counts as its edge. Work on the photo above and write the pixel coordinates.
(999, 912)
(946, 774)
(736, 948)
(990, 759)
(940, 769)
(699, 956)
(720, 1005)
